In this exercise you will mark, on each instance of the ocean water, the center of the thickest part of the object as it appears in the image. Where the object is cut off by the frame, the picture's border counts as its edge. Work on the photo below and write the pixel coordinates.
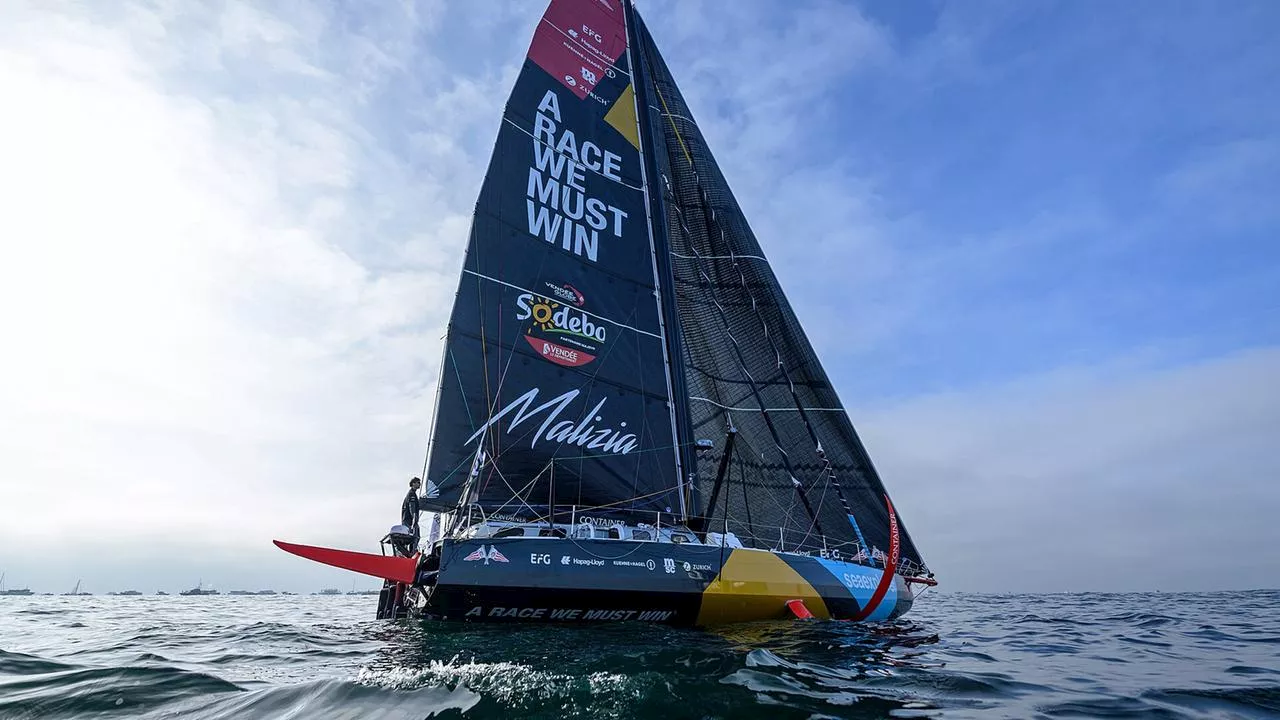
(1213, 655)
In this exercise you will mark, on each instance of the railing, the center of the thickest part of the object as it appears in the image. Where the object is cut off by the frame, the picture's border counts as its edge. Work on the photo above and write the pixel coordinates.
(840, 550)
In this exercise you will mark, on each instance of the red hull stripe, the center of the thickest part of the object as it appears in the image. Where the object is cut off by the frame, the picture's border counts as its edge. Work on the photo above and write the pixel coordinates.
(890, 564)
(399, 569)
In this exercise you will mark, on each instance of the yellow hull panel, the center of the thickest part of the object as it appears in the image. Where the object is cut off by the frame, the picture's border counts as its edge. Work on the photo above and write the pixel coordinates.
(756, 585)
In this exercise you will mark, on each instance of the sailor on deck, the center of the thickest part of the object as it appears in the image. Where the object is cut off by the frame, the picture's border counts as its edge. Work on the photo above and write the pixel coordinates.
(410, 508)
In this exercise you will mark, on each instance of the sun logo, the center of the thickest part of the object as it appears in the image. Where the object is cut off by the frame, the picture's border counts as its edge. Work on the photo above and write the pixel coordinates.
(542, 312)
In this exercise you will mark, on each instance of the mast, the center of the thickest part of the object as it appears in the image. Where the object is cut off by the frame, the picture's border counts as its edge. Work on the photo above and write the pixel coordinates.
(668, 318)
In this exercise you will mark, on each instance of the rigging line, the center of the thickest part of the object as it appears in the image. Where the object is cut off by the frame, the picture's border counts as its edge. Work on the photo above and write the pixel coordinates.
(435, 413)
(458, 374)
(472, 478)
(584, 456)
(600, 57)
(638, 497)
(585, 312)
(582, 386)
(751, 409)
(764, 483)
(516, 494)
(777, 440)
(682, 117)
(668, 311)
(829, 470)
(511, 353)
(510, 356)
(828, 473)
(720, 257)
(638, 547)
(497, 454)
(821, 501)
(667, 113)
(746, 504)
(567, 156)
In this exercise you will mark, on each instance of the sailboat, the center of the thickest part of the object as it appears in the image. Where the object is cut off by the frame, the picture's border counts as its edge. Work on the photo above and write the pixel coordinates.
(199, 590)
(12, 591)
(77, 592)
(630, 422)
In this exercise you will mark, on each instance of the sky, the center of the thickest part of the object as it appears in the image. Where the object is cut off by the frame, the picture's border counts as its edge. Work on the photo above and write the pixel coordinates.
(1036, 245)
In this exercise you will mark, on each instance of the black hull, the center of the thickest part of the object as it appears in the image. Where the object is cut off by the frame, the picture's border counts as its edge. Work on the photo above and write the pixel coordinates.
(566, 580)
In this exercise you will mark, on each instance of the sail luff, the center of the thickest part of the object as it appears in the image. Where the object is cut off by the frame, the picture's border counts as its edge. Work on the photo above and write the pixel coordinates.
(666, 319)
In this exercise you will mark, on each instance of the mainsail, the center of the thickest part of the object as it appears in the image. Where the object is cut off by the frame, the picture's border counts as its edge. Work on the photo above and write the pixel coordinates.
(555, 385)
(619, 344)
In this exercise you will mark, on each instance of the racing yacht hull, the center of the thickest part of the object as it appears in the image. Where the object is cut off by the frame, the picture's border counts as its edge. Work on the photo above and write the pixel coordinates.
(570, 580)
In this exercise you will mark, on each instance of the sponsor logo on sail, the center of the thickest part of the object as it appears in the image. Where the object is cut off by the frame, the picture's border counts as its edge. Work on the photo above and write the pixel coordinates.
(590, 431)
(566, 293)
(559, 331)
(486, 554)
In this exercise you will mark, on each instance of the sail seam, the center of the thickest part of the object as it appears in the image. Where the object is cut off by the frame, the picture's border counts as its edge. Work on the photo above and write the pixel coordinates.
(646, 156)
(596, 53)
(584, 312)
(568, 156)
(719, 257)
(756, 409)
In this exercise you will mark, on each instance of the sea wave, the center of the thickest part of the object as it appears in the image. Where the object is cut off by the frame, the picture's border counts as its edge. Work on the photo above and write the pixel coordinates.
(955, 656)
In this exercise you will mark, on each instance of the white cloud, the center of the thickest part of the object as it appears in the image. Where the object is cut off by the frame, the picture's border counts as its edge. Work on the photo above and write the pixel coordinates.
(199, 342)
(1093, 478)
(231, 235)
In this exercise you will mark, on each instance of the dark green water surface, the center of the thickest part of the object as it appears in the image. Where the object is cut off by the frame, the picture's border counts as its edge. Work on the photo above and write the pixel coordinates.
(1211, 655)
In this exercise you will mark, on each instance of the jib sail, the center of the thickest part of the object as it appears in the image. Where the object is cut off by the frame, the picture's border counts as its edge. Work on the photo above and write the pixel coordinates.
(798, 477)
(555, 386)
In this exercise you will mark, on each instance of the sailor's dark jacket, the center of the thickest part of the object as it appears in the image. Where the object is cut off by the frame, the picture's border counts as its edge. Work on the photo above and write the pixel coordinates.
(409, 510)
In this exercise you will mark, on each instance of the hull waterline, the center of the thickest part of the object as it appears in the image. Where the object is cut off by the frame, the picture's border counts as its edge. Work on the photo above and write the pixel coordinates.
(563, 580)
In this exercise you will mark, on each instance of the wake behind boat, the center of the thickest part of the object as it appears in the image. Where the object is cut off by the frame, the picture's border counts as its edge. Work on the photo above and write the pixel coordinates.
(630, 423)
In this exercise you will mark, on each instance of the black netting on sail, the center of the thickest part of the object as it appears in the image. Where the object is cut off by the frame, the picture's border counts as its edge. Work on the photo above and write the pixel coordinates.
(748, 364)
